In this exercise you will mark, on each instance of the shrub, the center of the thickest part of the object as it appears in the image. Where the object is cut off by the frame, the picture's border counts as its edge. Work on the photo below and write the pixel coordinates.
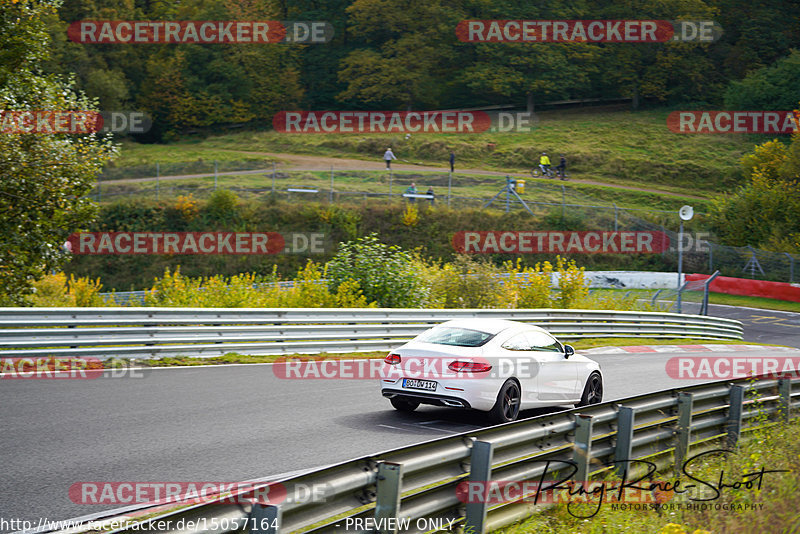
(471, 283)
(572, 283)
(221, 206)
(384, 273)
(411, 215)
(536, 291)
(55, 290)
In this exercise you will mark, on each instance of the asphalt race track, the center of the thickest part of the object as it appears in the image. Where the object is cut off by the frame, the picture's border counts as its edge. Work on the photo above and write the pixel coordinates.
(223, 424)
(763, 326)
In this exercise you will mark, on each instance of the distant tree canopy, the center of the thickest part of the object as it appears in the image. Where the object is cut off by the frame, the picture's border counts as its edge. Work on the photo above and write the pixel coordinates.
(766, 211)
(45, 177)
(776, 87)
(388, 54)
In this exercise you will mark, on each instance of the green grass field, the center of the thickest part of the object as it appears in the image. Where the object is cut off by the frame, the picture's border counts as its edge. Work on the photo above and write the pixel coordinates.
(714, 298)
(347, 183)
(616, 147)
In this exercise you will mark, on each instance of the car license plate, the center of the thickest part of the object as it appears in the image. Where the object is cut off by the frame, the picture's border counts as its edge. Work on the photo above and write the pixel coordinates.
(427, 385)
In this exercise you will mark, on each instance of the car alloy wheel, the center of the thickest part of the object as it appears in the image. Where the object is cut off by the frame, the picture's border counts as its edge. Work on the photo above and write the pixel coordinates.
(506, 408)
(593, 391)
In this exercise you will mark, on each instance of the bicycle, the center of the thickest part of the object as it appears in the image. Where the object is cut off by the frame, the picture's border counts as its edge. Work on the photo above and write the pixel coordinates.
(536, 172)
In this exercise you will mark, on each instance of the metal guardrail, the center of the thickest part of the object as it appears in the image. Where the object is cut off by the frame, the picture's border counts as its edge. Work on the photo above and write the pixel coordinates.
(421, 481)
(206, 332)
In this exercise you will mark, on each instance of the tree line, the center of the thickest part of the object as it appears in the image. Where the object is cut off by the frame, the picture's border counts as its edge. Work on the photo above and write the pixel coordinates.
(406, 55)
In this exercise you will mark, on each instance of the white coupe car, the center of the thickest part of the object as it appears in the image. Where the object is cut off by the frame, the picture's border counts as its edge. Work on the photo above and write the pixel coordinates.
(491, 365)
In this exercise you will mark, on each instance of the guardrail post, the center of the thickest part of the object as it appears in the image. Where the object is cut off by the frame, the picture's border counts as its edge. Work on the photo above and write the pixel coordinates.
(622, 452)
(785, 399)
(264, 519)
(734, 425)
(684, 429)
(582, 453)
(653, 302)
(710, 256)
(387, 505)
(480, 471)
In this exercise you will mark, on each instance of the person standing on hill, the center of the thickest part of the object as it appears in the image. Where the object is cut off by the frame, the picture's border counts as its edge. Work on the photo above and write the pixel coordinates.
(412, 190)
(388, 156)
(452, 161)
(562, 167)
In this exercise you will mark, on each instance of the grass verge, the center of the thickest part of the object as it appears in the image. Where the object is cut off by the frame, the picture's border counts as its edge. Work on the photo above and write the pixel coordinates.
(713, 298)
(773, 447)
(234, 358)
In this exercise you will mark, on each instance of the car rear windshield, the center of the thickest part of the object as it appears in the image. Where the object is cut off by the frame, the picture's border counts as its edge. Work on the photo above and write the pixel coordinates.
(459, 337)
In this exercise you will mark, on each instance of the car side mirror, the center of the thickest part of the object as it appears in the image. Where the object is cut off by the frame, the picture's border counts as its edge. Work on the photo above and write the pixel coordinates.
(568, 351)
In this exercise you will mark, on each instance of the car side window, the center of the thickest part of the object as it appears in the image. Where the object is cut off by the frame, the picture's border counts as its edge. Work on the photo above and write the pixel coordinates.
(541, 342)
(518, 342)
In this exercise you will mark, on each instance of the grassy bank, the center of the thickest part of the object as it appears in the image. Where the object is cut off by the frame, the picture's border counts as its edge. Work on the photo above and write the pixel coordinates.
(772, 448)
(713, 298)
(616, 146)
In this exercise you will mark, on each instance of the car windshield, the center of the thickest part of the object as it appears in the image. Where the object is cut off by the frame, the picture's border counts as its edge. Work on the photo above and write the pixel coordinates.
(460, 337)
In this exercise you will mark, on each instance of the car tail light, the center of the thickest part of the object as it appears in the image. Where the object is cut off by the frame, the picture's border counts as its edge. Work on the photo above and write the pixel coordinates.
(469, 367)
(392, 359)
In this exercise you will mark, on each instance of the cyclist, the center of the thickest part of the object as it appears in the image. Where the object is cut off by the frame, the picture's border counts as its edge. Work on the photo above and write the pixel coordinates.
(544, 163)
(561, 169)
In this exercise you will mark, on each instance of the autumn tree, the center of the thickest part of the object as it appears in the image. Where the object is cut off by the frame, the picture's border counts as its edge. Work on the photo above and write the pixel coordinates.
(46, 176)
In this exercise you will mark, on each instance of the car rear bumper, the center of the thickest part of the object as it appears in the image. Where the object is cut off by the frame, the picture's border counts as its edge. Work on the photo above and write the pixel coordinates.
(427, 398)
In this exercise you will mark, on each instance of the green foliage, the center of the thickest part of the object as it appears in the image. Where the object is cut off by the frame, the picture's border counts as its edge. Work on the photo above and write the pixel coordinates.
(471, 283)
(765, 213)
(221, 207)
(254, 291)
(571, 282)
(384, 272)
(54, 290)
(769, 88)
(45, 177)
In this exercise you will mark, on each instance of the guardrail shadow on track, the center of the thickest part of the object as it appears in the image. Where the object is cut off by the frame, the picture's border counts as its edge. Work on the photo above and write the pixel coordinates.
(421, 481)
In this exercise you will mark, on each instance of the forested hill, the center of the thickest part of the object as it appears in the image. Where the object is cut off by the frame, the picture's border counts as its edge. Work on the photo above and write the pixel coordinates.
(401, 54)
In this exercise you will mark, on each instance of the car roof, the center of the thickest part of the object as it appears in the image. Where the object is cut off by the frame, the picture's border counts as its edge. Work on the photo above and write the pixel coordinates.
(490, 326)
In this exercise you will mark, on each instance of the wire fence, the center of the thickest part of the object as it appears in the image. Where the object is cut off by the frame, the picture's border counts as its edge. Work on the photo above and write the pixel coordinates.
(560, 204)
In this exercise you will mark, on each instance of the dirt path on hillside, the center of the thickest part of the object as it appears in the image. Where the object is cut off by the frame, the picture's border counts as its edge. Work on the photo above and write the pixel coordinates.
(300, 162)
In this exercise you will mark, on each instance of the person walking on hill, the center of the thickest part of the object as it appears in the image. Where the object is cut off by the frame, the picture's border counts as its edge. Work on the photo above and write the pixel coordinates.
(388, 156)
